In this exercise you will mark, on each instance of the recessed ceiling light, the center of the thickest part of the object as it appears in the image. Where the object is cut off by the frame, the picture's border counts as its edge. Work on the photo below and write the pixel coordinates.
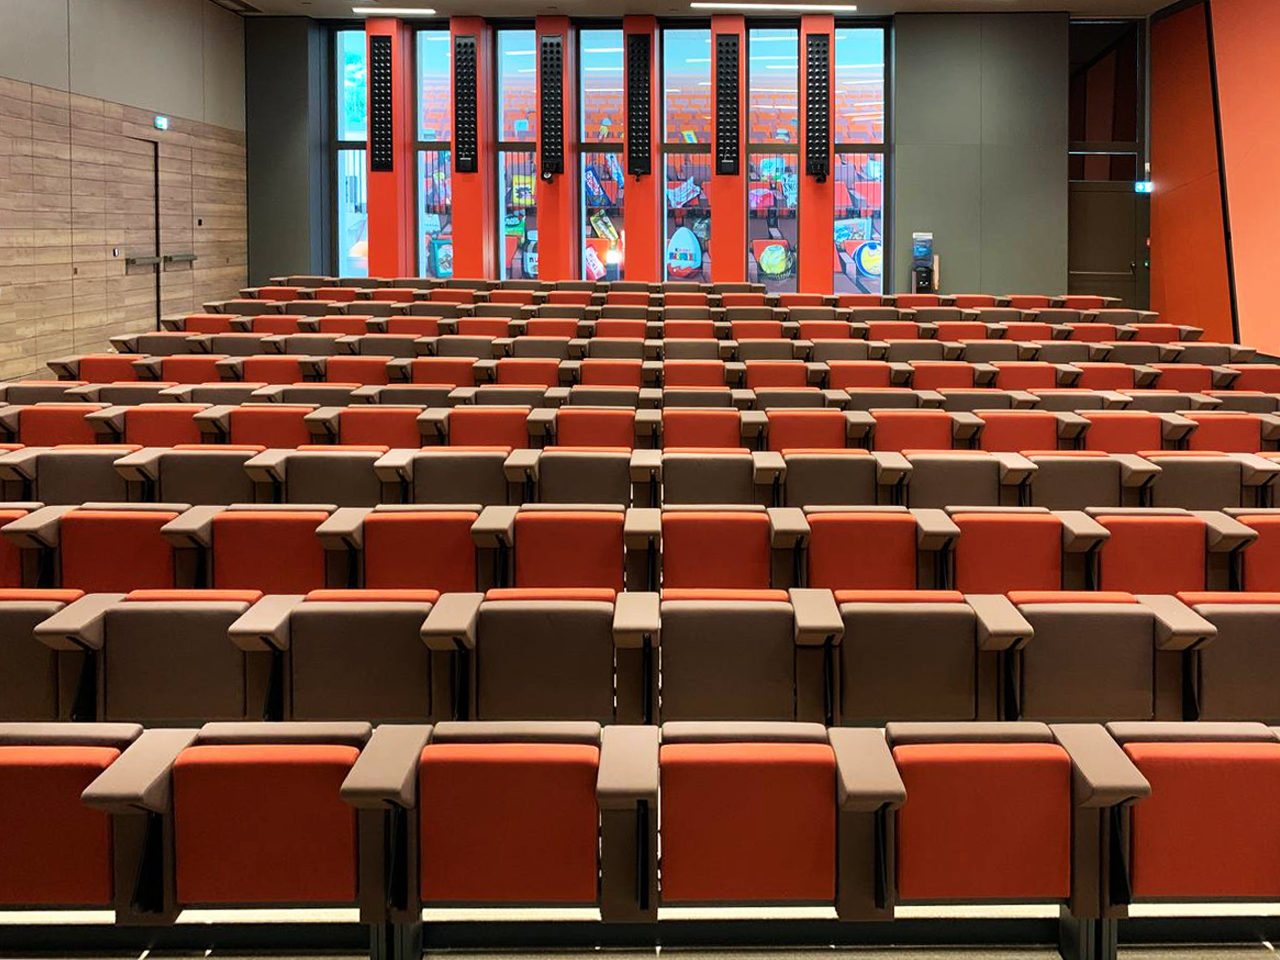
(801, 7)
(394, 11)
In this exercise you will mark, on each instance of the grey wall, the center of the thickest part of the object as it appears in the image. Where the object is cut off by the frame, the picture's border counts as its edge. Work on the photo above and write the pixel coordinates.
(287, 137)
(980, 128)
(178, 57)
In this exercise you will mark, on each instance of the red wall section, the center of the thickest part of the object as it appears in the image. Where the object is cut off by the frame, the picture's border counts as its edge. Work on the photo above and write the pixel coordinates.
(1246, 41)
(475, 215)
(728, 194)
(644, 237)
(1189, 281)
(817, 200)
(391, 214)
(558, 213)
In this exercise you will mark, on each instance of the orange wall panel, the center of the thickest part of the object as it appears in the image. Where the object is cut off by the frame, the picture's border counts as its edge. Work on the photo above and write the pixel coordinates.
(1189, 276)
(643, 197)
(1246, 41)
(391, 192)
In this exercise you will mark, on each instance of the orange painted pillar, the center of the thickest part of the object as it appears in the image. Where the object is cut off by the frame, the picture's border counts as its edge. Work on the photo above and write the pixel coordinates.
(475, 215)
(391, 213)
(557, 194)
(727, 193)
(643, 194)
(817, 200)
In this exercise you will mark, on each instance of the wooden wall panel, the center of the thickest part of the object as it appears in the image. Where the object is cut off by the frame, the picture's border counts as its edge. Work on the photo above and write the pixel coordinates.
(77, 184)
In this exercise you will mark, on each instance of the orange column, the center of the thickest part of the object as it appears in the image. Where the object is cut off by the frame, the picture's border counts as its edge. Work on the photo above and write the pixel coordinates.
(557, 195)
(475, 214)
(727, 193)
(391, 214)
(643, 196)
(816, 199)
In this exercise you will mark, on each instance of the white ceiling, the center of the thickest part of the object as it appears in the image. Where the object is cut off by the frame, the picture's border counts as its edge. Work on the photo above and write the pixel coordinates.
(596, 8)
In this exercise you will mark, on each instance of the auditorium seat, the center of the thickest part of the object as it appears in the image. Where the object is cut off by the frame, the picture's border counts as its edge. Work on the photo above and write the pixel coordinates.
(942, 478)
(1211, 480)
(279, 425)
(65, 474)
(188, 473)
(843, 477)
(148, 424)
(48, 424)
(1076, 479)
(1132, 431)
(457, 474)
(1014, 431)
(478, 426)
(1003, 549)
(37, 683)
(95, 367)
(887, 548)
(739, 547)
(1167, 550)
(901, 430)
(341, 475)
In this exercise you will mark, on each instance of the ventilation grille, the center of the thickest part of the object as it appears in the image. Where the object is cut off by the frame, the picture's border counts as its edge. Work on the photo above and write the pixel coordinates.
(639, 129)
(382, 154)
(727, 97)
(817, 106)
(551, 106)
(465, 123)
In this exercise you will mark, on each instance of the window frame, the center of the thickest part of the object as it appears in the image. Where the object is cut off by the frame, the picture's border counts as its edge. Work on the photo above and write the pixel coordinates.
(331, 88)
(421, 146)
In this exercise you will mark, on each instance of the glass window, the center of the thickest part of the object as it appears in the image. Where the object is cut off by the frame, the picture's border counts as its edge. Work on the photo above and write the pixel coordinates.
(517, 177)
(601, 62)
(686, 70)
(435, 86)
(858, 97)
(773, 236)
(603, 230)
(353, 215)
(352, 86)
(517, 85)
(435, 201)
(773, 79)
(859, 222)
(688, 216)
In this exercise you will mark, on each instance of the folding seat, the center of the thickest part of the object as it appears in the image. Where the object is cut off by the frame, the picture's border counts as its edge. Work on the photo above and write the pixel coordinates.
(201, 323)
(441, 370)
(373, 425)
(962, 329)
(1205, 833)
(264, 369)
(283, 324)
(694, 373)
(1233, 432)
(898, 330)
(876, 548)
(859, 300)
(628, 329)
(705, 349)
(550, 653)
(233, 344)
(154, 343)
(1139, 352)
(96, 367)
(575, 297)
(833, 329)
(27, 392)
(1076, 479)
(65, 474)
(1088, 302)
(690, 330)
(941, 478)
(56, 851)
(909, 350)
(344, 476)
(258, 424)
(310, 393)
(974, 301)
(549, 327)
(1027, 302)
(1015, 431)
(934, 314)
(983, 400)
(1167, 550)
(860, 374)
(271, 293)
(189, 473)
(389, 346)
(245, 307)
(360, 371)
(521, 371)
(1105, 333)
(954, 840)
(476, 426)
(214, 392)
(911, 301)
(347, 325)
(37, 683)
(1133, 431)
(991, 351)
(1214, 354)
(1193, 377)
(818, 429)
(626, 298)
(1168, 401)
(1256, 376)
(709, 428)
(1115, 376)
(1229, 674)
(48, 424)
(1026, 329)
(761, 374)
(921, 429)
(1007, 549)
(736, 548)
(148, 424)
(572, 841)
(1210, 480)
(532, 348)
(1033, 374)
(745, 300)
(183, 368)
(582, 427)
(937, 374)
(471, 474)
(308, 345)
(269, 547)
(551, 546)
(1244, 401)
(842, 477)
(626, 311)
(403, 295)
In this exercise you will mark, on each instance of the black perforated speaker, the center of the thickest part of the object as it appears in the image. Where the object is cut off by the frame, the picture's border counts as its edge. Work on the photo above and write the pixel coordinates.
(382, 154)
(727, 96)
(639, 158)
(817, 106)
(465, 138)
(551, 106)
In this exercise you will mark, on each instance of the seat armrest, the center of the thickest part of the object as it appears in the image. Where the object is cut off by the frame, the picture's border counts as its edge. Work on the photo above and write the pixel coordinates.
(265, 625)
(858, 424)
(38, 529)
(395, 465)
(344, 528)
(1175, 426)
(1000, 625)
(788, 527)
(1102, 775)
(1135, 471)
(817, 618)
(754, 423)
(323, 422)
(269, 466)
(78, 625)
(984, 374)
(521, 464)
(867, 779)
(1070, 425)
(899, 373)
(965, 426)
(1014, 467)
(642, 528)
(1080, 532)
(386, 772)
(107, 421)
(486, 370)
(1144, 375)
(891, 467)
(495, 527)
(1223, 377)
(935, 530)
(1224, 534)
(142, 464)
(1255, 471)
(139, 781)
(635, 619)
(193, 528)
(451, 624)
(628, 772)
(646, 465)
(214, 421)
(542, 423)
(1067, 375)
(1178, 627)
(434, 424)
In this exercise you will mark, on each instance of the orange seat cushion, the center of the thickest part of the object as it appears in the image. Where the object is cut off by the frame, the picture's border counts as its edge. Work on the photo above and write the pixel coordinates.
(892, 330)
(161, 425)
(984, 821)
(114, 551)
(409, 550)
(1228, 432)
(748, 822)
(1262, 557)
(621, 329)
(1011, 431)
(414, 326)
(569, 548)
(858, 373)
(352, 326)
(551, 327)
(269, 425)
(108, 368)
(1209, 828)
(595, 428)
(483, 327)
(445, 371)
(55, 850)
(941, 375)
(1104, 376)
(190, 368)
(999, 552)
(366, 371)
(388, 427)
(776, 373)
(1122, 432)
(528, 372)
(612, 373)
(862, 551)
(489, 427)
(453, 296)
(272, 370)
(271, 551)
(207, 323)
(10, 552)
(51, 424)
(509, 822)
(1184, 377)
(1152, 554)
(900, 430)
(278, 324)
(263, 823)
(756, 330)
(806, 429)
(713, 549)
(693, 373)
(701, 428)
(1025, 375)
(689, 330)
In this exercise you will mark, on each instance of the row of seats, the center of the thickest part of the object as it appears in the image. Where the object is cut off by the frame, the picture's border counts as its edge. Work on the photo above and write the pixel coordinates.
(631, 819)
